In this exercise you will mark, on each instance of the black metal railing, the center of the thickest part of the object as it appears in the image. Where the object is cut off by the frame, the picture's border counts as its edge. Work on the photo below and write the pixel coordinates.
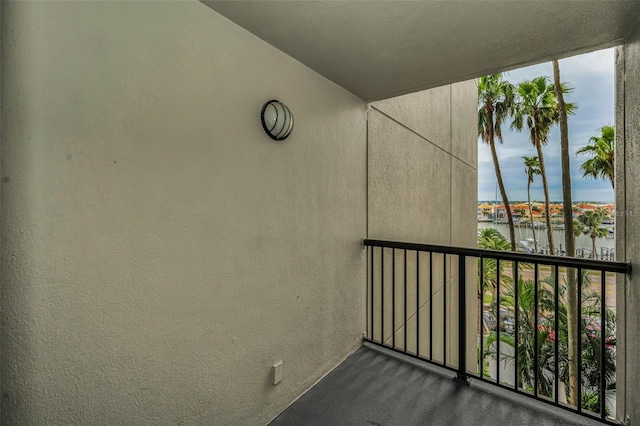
(418, 303)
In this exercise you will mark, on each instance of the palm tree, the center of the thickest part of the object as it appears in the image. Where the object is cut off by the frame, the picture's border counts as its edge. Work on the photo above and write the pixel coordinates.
(592, 339)
(569, 240)
(495, 102)
(604, 213)
(532, 168)
(591, 221)
(537, 109)
(492, 239)
(527, 330)
(541, 336)
(579, 229)
(602, 151)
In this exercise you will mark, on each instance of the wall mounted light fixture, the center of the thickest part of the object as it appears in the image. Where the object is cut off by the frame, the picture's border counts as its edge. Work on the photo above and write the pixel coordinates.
(277, 120)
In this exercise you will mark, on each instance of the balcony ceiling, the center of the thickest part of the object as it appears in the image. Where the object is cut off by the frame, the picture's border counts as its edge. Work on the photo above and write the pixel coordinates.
(380, 49)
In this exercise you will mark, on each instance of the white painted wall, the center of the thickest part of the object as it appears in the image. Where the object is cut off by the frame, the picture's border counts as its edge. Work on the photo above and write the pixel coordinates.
(159, 251)
(423, 188)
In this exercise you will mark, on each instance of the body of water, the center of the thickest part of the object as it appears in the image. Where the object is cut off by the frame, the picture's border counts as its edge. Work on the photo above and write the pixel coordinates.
(583, 241)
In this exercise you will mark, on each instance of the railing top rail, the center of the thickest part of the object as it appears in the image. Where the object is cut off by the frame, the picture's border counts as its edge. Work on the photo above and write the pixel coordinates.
(570, 262)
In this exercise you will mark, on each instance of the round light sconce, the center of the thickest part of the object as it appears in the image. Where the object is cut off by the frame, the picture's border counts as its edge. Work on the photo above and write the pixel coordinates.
(277, 120)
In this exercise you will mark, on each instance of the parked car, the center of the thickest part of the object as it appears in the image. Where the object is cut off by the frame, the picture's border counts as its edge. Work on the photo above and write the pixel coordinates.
(507, 321)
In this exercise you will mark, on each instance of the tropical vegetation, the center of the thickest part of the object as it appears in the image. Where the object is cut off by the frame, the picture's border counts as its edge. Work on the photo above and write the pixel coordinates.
(536, 325)
(537, 110)
(539, 338)
(535, 106)
(492, 239)
(495, 98)
(570, 248)
(531, 168)
(590, 224)
(601, 149)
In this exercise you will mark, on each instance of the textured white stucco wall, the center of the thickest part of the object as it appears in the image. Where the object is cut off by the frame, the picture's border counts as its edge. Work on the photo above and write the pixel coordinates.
(628, 221)
(423, 188)
(159, 251)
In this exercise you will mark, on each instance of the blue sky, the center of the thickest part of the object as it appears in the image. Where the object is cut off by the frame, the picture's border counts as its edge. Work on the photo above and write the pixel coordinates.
(592, 77)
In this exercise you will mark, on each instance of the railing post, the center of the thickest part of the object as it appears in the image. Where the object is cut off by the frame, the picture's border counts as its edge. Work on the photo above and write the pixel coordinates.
(462, 375)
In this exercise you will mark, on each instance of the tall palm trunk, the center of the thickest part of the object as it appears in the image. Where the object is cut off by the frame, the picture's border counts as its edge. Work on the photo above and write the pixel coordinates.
(546, 197)
(569, 240)
(533, 228)
(593, 247)
(503, 192)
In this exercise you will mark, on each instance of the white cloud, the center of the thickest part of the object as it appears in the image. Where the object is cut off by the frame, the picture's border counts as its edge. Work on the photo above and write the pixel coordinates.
(600, 62)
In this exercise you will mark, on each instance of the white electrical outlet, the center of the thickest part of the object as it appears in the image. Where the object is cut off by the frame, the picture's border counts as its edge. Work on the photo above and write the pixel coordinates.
(277, 372)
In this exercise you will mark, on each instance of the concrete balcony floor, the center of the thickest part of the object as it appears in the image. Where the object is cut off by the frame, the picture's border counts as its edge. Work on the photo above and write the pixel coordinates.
(378, 387)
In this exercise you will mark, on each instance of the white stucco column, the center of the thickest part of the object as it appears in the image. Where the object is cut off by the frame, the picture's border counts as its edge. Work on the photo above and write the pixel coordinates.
(628, 225)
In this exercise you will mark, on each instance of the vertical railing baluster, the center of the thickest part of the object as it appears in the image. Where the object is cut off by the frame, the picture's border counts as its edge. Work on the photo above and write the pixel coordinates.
(444, 317)
(393, 299)
(603, 342)
(431, 306)
(516, 324)
(579, 340)
(481, 317)
(405, 301)
(535, 329)
(462, 320)
(417, 303)
(372, 336)
(498, 320)
(556, 330)
(382, 295)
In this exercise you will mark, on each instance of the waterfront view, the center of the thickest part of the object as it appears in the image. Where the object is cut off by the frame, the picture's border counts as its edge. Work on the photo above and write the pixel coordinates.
(548, 142)
(568, 156)
(604, 245)
(494, 216)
